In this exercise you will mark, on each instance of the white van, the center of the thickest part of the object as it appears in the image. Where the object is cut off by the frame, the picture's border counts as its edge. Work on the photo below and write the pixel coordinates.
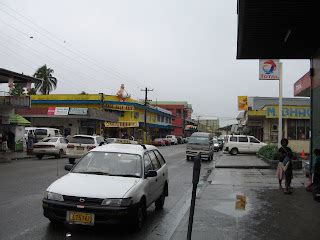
(43, 132)
(172, 139)
(235, 144)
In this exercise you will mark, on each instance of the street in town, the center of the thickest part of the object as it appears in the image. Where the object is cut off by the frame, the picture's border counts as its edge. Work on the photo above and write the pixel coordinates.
(266, 215)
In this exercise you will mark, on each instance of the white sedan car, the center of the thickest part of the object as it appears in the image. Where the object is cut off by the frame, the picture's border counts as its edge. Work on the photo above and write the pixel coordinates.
(79, 145)
(114, 181)
(52, 146)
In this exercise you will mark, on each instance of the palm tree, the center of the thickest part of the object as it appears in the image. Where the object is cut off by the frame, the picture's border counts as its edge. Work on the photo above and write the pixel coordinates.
(49, 82)
(17, 90)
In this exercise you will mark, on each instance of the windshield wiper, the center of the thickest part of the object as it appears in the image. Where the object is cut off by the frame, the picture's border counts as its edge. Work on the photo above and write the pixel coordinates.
(95, 172)
(125, 175)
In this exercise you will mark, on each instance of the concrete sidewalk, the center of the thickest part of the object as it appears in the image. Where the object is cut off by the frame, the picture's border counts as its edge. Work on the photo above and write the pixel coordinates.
(269, 214)
(241, 161)
(9, 156)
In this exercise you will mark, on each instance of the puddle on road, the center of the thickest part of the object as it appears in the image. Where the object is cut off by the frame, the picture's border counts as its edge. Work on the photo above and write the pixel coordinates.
(228, 207)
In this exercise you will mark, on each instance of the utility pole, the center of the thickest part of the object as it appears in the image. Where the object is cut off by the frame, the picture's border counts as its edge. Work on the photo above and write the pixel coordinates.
(146, 103)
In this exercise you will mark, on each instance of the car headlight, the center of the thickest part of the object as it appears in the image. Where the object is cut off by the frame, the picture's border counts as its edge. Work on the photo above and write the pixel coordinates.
(53, 196)
(216, 145)
(117, 202)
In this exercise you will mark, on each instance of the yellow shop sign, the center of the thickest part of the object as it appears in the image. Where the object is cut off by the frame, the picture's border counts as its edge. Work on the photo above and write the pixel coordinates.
(291, 112)
(121, 124)
(119, 107)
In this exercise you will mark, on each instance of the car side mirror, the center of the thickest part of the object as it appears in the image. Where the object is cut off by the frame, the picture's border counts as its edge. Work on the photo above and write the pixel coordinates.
(68, 167)
(151, 173)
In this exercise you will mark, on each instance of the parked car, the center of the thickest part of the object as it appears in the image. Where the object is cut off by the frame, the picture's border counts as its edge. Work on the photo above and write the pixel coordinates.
(120, 140)
(235, 144)
(166, 141)
(158, 142)
(200, 142)
(215, 143)
(79, 145)
(52, 146)
(43, 132)
(172, 139)
(110, 182)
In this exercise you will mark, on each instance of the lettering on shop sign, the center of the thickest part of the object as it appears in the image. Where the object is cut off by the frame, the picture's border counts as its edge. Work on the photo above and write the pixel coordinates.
(288, 112)
(121, 124)
(119, 107)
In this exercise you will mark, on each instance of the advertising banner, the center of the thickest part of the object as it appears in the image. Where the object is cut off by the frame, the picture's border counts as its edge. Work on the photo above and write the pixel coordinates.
(119, 107)
(121, 124)
(61, 111)
(242, 103)
(78, 111)
(269, 69)
(51, 111)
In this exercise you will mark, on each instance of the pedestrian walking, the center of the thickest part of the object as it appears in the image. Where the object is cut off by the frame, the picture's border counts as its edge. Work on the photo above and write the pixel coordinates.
(285, 156)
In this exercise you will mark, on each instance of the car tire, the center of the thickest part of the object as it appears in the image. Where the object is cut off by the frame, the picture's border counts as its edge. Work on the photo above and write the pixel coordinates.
(139, 216)
(234, 151)
(39, 156)
(160, 201)
(72, 160)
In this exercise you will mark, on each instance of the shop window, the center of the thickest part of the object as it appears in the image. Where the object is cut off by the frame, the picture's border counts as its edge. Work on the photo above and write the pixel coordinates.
(301, 130)
(162, 118)
(136, 115)
(178, 113)
(274, 128)
(158, 118)
(292, 130)
(307, 129)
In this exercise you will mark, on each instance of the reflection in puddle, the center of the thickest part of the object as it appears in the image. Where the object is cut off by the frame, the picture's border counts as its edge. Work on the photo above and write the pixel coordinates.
(229, 207)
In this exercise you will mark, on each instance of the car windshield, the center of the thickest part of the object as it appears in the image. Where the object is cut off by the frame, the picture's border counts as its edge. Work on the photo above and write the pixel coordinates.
(199, 140)
(82, 140)
(107, 163)
(49, 140)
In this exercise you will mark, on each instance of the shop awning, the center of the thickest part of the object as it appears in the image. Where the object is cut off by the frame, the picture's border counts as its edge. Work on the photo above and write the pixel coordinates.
(284, 29)
(19, 120)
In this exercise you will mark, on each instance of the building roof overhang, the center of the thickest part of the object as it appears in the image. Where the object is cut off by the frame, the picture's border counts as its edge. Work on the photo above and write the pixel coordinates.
(285, 29)
(6, 75)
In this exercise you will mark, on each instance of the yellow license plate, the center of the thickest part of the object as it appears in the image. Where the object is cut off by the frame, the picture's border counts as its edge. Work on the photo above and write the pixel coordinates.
(80, 218)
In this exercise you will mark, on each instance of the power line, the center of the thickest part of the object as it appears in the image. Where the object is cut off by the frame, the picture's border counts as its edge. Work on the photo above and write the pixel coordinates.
(70, 49)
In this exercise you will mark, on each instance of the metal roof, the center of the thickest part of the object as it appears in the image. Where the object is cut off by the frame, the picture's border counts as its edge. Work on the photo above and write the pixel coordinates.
(280, 29)
(5, 75)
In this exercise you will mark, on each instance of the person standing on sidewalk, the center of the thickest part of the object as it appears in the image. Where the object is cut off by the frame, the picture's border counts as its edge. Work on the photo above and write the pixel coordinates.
(285, 155)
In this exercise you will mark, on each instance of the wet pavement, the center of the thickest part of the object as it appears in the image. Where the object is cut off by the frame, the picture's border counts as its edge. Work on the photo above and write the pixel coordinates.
(268, 213)
(23, 182)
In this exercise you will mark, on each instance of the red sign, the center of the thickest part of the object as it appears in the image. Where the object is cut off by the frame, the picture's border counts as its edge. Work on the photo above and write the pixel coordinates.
(302, 86)
(51, 111)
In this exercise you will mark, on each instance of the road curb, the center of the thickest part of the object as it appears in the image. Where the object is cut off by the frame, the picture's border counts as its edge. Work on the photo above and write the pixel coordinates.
(244, 167)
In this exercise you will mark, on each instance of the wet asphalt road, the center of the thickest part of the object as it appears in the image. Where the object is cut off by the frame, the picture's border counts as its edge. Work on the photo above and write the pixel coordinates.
(23, 182)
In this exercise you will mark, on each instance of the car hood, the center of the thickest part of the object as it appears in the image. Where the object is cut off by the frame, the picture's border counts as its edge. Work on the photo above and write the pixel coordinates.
(93, 186)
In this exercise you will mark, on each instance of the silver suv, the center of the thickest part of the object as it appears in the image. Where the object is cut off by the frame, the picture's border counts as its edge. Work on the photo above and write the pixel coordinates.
(200, 142)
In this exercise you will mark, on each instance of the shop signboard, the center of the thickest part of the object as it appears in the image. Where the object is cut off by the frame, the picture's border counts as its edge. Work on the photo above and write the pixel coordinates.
(78, 111)
(269, 69)
(121, 124)
(51, 111)
(243, 103)
(119, 107)
(61, 111)
(289, 112)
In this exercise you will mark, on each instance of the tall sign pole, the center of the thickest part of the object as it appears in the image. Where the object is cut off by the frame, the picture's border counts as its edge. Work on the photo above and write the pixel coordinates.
(280, 107)
(271, 69)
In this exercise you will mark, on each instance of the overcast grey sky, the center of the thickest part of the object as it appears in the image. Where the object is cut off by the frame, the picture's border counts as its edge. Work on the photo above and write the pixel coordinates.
(183, 49)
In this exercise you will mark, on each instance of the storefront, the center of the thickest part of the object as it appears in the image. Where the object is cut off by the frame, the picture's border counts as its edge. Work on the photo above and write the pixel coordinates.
(69, 120)
(261, 121)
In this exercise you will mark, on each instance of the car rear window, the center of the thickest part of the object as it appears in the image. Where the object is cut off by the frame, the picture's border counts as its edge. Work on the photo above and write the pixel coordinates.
(82, 140)
(243, 139)
(41, 132)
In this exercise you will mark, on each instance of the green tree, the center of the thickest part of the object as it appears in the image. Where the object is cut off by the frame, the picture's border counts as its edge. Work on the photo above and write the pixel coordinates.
(32, 91)
(49, 82)
(17, 90)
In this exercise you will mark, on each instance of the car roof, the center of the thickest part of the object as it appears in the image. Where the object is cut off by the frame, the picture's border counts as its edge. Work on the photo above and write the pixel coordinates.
(203, 134)
(79, 135)
(124, 148)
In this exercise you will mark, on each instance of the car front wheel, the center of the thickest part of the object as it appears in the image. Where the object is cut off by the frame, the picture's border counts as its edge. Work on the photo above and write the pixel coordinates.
(234, 151)
(160, 201)
(139, 216)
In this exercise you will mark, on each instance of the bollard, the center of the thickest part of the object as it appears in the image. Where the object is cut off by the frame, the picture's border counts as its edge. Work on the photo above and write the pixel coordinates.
(195, 181)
